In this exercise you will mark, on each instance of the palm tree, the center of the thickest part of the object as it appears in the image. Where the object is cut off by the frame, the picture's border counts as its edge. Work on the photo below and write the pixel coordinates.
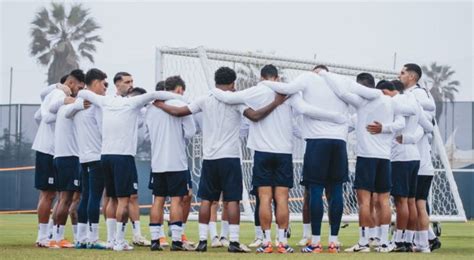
(442, 88)
(60, 39)
(247, 76)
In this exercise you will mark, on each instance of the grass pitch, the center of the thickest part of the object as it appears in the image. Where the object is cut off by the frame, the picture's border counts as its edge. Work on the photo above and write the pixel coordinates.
(18, 234)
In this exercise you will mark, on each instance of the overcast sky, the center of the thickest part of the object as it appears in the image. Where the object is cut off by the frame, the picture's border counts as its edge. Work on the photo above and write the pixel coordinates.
(350, 32)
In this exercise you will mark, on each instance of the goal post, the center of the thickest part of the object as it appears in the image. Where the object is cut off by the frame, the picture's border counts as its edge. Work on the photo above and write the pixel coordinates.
(197, 65)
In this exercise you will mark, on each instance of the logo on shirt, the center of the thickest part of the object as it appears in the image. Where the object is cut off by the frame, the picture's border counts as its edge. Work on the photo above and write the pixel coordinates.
(50, 180)
(76, 183)
(135, 185)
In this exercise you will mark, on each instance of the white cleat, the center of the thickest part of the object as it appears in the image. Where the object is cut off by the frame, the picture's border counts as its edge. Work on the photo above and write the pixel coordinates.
(224, 241)
(358, 248)
(216, 242)
(140, 241)
(122, 246)
(384, 248)
(304, 242)
(257, 242)
(109, 245)
(374, 242)
(422, 249)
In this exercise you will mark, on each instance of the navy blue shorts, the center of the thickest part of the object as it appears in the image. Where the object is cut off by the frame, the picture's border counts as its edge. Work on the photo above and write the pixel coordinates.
(325, 162)
(120, 175)
(69, 173)
(373, 174)
(45, 173)
(170, 184)
(423, 185)
(272, 169)
(404, 176)
(221, 175)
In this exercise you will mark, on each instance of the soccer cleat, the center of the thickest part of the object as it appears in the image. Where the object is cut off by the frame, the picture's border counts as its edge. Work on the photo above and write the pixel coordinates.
(186, 241)
(422, 249)
(374, 242)
(383, 248)
(333, 248)
(140, 241)
(236, 247)
(122, 246)
(358, 248)
(435, 244)
(42, 243)
(109, 245)
(265, 248)
(155, 245)
(284, 249)
(79, 245)
(177, 246)
(224, 241)
(188, 247)
(164, 242)
(53, 244)
(216, 242)
(96, 245)
(65, 244)
(202, 246)
(256, 242)
(409, 247)
(304, 242)
(312, 248)
(399, 247)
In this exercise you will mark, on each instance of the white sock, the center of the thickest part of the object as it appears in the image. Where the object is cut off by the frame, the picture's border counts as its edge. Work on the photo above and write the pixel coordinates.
(137, 232)
(363, 236)
(384, 234)
(120, 232)
(155, 232)
(423, 239)
(333, 239)
(82, 232)
(431, 234)
(203, 228)
(267, 237)
(176, 232)
(184, 227)
(416, 238)
(111, 228)
(162, 231)
(224, 228)
(234, 233)
(282, 236)
(315, 239)
(94, 232)
(42, 232)
(74, 232)
(56, 233)
(50, 228)
(378, 231)
(400, 236)
(60, 233)
(306, 230)
(258, 232)
(372, 232)
(409, 236)
(212, 229)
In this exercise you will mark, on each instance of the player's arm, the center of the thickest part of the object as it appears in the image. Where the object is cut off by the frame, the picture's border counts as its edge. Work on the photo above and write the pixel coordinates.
(424, 99)
(411, 138)
(295, 86)
(232, 98)
(425, 122)
(141, 100)
(92, 97)
(297, 102)
(189, 126)
(78, 105)
(259, 114)
(341, 85)
(172, 110)
(403, 106)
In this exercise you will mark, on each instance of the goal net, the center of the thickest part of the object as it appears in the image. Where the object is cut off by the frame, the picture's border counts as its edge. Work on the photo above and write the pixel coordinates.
(196, 66)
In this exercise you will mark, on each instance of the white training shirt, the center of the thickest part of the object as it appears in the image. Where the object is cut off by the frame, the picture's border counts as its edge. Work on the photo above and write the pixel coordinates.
(167, 136)
(220, 127)
(44, 139)
(65, 143)
(120, 119)
(87, 123)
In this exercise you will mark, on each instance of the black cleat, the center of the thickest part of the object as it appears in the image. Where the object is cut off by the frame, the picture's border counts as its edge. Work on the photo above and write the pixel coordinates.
(399, 247)
(435, 244)
(202, 246)
(236, 247)
(408, 247)
(288, 232)
(177, 246)
(155, 245)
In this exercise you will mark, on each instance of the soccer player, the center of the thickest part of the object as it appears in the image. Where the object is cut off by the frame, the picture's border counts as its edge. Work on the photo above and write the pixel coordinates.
(221, 169)
(87, 121)
(119, 146)
(325, 159)
(272, 140)
(66, 160)
(168, 136)
(45, 174)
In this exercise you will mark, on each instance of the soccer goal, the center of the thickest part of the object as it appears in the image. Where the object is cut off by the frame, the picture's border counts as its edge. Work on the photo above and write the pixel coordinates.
(197, 65)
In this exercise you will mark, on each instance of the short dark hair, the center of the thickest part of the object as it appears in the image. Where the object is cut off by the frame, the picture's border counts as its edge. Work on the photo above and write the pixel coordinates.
(412, 67)
(171, 83)
(160, 86)
(119, 76)
(268, 71)
(366, 79)
(78, 74)
(321, 66)
(94, 74)
(224, 76)
(137, 91)
(398, 85)
(384, 84)
(63, 79)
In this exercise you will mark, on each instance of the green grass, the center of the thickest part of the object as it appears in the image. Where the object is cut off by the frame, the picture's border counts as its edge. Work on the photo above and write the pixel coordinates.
(18, 234)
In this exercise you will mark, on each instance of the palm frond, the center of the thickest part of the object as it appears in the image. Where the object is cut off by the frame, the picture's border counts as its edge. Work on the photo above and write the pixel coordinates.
(45, 58)
(95, 38)
(454, 83)
(85, 46)
(39, 42)
(42, 19)
(86, 28)
(58, 12)
(76, 15)
(87, 55)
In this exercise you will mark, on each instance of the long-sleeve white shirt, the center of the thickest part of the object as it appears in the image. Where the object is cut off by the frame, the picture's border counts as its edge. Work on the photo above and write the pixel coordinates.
(167, 136)
(65, 143)
(120, 119)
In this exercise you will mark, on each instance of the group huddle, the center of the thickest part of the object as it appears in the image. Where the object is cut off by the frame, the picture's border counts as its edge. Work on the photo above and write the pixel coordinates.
(86, 144)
